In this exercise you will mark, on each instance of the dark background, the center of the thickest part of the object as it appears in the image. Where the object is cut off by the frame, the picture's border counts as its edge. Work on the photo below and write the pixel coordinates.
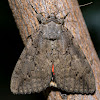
(12, 45)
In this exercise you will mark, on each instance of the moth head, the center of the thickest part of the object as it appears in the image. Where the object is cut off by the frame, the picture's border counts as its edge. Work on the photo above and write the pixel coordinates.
(51, 17)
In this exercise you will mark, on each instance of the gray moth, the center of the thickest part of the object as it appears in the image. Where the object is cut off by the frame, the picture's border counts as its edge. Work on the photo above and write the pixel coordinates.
(53, 55)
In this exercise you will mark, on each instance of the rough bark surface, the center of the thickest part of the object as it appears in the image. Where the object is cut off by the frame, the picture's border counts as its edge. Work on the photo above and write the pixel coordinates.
(27, 23)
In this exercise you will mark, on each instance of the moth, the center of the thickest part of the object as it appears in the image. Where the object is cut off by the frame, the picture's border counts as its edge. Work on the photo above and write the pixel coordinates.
(52, 55)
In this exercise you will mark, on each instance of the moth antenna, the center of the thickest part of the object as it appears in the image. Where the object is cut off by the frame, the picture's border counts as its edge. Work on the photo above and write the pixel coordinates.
(64, 18)
(66, 15)
(34, 9)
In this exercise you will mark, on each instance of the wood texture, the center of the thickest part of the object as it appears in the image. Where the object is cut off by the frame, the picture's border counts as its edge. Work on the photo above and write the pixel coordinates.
(27, 23)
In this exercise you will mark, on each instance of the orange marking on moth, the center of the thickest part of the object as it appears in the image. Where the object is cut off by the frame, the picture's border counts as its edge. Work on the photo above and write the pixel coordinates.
(53, 69)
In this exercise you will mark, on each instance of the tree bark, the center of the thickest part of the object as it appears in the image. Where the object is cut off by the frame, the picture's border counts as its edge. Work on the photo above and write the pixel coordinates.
(27, 23)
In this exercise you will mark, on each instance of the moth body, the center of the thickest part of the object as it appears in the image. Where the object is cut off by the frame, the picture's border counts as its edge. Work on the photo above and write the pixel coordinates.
(53, 51)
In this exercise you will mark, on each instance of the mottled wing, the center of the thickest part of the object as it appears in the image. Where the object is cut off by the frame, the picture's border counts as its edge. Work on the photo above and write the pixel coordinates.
(32, 73)
(73, 72)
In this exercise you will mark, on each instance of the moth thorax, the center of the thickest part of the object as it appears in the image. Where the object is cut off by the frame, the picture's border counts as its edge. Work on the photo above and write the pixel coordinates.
(52, 31)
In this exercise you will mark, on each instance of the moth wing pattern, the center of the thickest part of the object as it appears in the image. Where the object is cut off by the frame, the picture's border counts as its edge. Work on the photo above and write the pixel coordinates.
(32, 73)
(73, 72)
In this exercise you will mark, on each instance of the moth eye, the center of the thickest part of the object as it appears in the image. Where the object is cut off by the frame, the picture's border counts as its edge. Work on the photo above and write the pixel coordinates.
(48, 16)
(29, 76)
(39, 21)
